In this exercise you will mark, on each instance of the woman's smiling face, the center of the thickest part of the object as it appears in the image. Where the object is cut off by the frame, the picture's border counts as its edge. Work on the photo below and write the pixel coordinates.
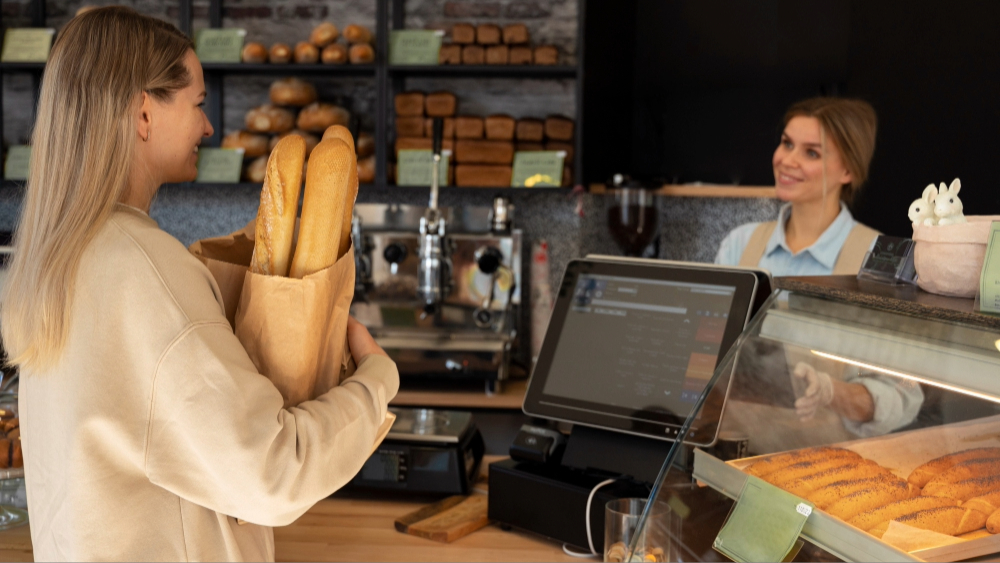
(799, 163)
(179, 126)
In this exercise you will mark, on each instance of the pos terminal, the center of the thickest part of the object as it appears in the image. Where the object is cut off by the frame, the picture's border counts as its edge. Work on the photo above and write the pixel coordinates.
(630, 348)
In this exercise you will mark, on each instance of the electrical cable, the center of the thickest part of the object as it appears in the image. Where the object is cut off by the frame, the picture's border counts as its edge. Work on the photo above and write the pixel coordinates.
(590, 540)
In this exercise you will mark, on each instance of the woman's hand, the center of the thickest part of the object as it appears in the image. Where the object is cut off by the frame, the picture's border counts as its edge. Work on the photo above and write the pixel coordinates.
(361, 342)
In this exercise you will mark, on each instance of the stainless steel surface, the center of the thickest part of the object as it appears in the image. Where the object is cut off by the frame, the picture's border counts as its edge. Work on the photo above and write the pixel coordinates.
(429, 425)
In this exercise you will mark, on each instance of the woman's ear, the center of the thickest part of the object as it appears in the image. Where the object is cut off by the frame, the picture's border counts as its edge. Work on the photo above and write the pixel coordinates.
(144, 121)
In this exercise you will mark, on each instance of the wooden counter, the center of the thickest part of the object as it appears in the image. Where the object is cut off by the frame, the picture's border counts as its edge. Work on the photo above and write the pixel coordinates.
(510, 398)
(350, 527)
(703, 190)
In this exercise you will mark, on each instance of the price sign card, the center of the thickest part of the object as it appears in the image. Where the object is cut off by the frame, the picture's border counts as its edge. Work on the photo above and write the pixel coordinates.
(414, 167)
(219, 166)
(538, 169)
(220, 45)
(764, 525)
(27, 45)
(414, 46)
(17, 165)
(989, 281)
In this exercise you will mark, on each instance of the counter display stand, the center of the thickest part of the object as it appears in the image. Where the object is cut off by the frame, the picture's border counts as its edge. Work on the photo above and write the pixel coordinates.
(930, 367)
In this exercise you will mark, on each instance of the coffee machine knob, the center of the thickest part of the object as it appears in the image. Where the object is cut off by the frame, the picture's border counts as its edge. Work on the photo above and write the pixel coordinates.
(394, 254)
(489, 259)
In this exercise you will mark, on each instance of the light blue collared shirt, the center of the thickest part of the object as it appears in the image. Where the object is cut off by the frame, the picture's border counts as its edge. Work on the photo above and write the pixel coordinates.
(815, 260)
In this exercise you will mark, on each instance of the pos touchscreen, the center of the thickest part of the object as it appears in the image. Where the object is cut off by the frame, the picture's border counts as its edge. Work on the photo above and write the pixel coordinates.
(631, 346)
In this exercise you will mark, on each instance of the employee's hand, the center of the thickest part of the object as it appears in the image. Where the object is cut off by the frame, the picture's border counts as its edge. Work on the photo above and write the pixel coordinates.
(360, 341)
(818, 393)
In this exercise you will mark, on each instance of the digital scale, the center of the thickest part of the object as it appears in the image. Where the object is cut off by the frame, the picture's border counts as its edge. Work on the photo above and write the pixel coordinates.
(425, 451)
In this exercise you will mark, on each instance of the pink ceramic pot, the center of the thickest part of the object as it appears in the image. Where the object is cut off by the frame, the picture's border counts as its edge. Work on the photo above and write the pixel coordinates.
(949, 258)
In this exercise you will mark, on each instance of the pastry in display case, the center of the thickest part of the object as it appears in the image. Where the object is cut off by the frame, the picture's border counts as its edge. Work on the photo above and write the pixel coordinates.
(877, 406)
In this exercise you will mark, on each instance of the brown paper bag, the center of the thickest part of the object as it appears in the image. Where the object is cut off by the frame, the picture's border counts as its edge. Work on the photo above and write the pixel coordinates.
(294, 330)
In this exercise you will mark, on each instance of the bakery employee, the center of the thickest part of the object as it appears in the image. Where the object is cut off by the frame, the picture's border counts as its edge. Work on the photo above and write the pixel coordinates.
(819, 166)
(148, 433)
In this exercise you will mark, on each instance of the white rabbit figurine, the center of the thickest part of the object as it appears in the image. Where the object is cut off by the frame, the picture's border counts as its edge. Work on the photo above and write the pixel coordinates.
(947, 206)
(922, 210)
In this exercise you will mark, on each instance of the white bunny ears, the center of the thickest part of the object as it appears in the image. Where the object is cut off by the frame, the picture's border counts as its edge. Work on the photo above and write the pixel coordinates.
(938, 206)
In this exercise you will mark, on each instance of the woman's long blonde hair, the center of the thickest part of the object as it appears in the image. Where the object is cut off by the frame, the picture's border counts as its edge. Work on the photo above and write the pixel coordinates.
(83, 146)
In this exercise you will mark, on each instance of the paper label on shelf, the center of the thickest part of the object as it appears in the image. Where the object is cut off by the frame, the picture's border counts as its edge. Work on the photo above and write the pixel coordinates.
(414, 46)
(219, 166)
(27, 45)
(17, 165)
(414, 167)
(538, 169)
(989, 281)
(764, 525)
(220, 45)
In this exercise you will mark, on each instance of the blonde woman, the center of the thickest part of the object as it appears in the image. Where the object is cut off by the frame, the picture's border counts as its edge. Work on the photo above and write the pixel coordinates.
(147, 431)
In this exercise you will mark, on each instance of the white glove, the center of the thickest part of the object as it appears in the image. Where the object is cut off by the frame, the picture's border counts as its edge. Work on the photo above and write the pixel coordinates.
(818, 394)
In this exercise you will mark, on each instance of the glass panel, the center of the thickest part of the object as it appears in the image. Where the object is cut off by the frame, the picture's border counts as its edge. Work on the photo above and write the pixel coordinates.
(857, 401)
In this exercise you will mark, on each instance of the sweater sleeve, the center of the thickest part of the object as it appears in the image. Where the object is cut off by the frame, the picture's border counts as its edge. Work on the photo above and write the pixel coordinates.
(218, 435)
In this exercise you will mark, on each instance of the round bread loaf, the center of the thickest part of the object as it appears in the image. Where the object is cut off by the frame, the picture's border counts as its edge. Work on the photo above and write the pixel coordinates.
(361, 54)
(357, 34)
(280, 53)
(334, 54)
(292, 91)
(254, 53)
(256, 170)
(310, 139)
(306, 53)
(253, 144)
(366, 170)
(279, 202)
(317, 117)
(365, 145)
(323, 34)
(270, 119)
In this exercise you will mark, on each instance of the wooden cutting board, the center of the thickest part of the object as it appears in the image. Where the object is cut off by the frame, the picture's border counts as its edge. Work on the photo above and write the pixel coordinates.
(446, 520)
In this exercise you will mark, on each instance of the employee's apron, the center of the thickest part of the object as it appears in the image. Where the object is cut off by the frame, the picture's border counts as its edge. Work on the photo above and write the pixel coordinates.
(852, 254)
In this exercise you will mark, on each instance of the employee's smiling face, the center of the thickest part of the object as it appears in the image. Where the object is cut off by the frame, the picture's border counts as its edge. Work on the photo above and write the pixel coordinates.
(799, 161)
(179, 126)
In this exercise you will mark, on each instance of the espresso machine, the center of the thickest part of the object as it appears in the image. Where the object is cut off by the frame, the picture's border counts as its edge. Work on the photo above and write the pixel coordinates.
(440, 288)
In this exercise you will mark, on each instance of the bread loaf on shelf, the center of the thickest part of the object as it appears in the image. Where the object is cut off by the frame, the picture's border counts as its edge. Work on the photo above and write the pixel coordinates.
(280, 53)
(269, 119)
(947, 520)
(334, 54)
(310, 139)
(804, 469)
(773, 463)
(483, 175)
(987, 504)
(473, 55)
(497, 54)
(447, 127)
(852, 470)
(364, 145)
(318, 116)
(323, 34)
(545, 55)
(254, 53)
(531, 130)
(409, 103)
(292, 91)
(306, 53)
(256, 170)
(516, 34)
(500, 127)
(440, 104)
(450, 54)
(356, 34)
(868, 520)
(559, 128)
(561, 146)
(520, 55)
(361, 54)
(924, 473)
(868, 499)
(279, 204)
(409, 126)
(366, 170)
(468, 151)
(970, 469)
(826, 495)
(487, 34)
(463, 33)
(469, 127)
(963, 490)
(253, 144)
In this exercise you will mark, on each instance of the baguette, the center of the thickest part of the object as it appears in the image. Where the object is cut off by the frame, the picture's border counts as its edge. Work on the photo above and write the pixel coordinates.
(775, 462)
(341, 132)
(804, 469)
(972, 469)
(924, 473)
(993, 522)
(824, 496)
(948, 520)
(987, 504)
(853, 470)
(279, 203)
(328, 181)
(892, 511)
(963, 490)
(869, 499)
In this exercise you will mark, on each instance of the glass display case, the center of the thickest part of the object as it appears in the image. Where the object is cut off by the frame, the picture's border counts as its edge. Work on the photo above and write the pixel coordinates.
(877, 405)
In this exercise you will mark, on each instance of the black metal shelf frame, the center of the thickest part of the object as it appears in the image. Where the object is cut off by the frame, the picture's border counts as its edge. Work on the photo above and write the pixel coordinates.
(389, 79)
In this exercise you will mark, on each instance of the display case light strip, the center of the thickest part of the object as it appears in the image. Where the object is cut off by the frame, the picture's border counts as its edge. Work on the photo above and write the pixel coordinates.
(902, 375)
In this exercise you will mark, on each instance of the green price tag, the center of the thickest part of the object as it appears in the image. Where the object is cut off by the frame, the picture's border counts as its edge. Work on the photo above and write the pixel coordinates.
(220, 45)
(18, 162)
(764, 525)
(538, 169)
(27, 45)
(414, 167)
(219, 166)
(989, 281)
(414, 47)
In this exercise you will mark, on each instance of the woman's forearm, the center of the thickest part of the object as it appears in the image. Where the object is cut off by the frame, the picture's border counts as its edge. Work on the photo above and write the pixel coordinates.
(853, 401)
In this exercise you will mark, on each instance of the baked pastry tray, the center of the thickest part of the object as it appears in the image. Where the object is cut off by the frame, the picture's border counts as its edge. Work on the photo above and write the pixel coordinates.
(900, 453)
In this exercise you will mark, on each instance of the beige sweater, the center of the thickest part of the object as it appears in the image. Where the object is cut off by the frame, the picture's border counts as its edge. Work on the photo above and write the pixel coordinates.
(154, 432)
